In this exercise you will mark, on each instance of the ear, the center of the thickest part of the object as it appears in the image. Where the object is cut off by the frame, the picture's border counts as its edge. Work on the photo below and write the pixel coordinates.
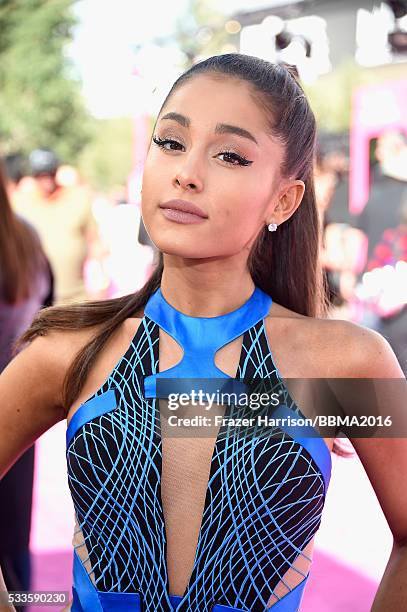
(288, 200)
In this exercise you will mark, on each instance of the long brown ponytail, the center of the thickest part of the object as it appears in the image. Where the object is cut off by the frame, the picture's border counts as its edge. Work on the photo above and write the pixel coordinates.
(303, 292)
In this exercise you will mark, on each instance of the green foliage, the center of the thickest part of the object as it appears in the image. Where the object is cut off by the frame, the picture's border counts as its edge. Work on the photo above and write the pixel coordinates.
(331, 95)
(107, 160)
(39, 93)
(200, 31)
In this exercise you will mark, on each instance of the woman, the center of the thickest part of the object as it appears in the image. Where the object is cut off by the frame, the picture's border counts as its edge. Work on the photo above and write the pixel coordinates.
(25, 286)
(222, 523)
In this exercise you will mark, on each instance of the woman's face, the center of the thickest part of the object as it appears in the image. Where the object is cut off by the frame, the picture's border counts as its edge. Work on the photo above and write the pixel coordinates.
(210, 149)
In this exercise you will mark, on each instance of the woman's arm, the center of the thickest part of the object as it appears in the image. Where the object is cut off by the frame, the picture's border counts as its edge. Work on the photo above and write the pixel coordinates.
(30, 397)
(30, 403)
(385, 461)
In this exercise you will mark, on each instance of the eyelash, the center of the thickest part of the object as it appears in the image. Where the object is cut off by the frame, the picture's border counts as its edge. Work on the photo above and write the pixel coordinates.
(242, 161)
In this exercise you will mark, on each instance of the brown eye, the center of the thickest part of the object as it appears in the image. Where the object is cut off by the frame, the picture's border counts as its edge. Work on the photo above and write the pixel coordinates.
(232, 158)
(235, 159)
(162, 142)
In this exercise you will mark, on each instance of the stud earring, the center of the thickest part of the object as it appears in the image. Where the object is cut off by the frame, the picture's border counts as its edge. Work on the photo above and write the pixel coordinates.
(272, 227)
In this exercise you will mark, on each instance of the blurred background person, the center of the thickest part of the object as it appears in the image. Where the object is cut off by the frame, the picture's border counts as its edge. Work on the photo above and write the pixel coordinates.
(342, 244)
(128, 262)
(382, 223)
(387, 268)
(337, 161)
(388, 189)
(62, 215)
(20, 185)
(26, 285)
(325, 184)
(392, 246)
(15, 170)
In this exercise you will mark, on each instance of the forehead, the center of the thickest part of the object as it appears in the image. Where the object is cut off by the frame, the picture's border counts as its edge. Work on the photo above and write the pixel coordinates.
(207, 100)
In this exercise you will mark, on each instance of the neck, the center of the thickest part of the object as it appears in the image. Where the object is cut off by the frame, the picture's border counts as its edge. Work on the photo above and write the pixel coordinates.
(206, 287)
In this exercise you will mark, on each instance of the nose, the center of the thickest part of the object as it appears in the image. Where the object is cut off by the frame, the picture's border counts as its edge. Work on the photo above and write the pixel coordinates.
(187, 177)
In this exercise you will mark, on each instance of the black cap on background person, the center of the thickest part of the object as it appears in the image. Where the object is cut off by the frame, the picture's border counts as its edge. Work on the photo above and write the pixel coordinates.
(43, 161)
(44, 164)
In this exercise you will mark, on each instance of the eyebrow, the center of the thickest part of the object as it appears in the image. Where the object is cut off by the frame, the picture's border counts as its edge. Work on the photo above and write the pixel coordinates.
(221, 128)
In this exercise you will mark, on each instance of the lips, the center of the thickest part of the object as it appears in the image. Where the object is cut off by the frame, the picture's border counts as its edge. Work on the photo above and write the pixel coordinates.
(185, 207)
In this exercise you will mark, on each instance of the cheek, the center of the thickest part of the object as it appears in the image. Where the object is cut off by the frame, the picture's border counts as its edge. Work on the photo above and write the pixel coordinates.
(236, 204)
(242, 205)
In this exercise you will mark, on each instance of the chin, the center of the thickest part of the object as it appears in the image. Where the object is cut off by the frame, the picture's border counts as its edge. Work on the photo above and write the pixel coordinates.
(183, 241)
(184, 251)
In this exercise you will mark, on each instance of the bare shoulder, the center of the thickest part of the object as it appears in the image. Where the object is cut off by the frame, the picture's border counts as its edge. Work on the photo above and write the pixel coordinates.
(31, 386)
(58, 347)
(357, 351)
(56, 350)
(31, 393)
(105, 360)
(46, 359)
(335, 347)
(64, 346)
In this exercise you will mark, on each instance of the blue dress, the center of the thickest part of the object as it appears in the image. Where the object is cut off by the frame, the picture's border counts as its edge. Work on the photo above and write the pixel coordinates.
(266, 487)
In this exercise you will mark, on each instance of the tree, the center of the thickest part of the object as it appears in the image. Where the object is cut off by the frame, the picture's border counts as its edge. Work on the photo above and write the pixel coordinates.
(39, 91)
(200, 31)
(107, 160)
(331, 95)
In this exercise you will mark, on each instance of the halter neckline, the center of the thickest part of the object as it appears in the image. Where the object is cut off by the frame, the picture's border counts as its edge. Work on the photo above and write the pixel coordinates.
(201, 337)
(197, 334)
(238, 311)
